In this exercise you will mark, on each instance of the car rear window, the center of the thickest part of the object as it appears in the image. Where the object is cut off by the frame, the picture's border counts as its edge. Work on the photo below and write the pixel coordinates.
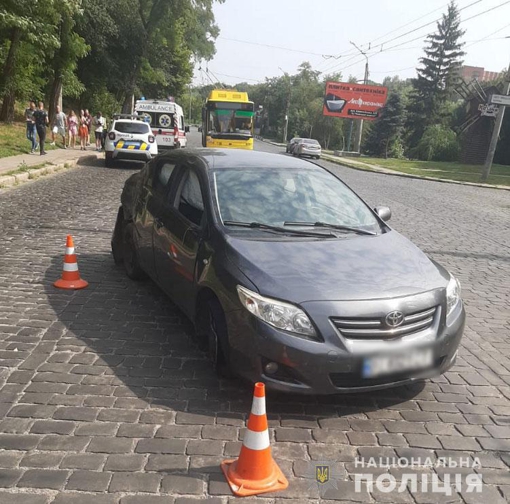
(310, 141)
(131, 127)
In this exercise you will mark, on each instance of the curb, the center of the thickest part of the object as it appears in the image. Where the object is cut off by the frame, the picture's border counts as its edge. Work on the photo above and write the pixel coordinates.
(19, 178)
(394, 173)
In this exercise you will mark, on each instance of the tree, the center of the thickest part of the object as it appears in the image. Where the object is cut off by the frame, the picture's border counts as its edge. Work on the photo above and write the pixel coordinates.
(143, 47)
(25, 21)
(388, 127)
(64, 60)
(153, 16)
(438, 75)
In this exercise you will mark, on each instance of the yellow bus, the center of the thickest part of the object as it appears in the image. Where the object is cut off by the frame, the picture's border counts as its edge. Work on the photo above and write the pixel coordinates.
(227, 120)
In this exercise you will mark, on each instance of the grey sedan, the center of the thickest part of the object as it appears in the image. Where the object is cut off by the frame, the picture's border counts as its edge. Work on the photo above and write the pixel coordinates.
(289, 277)
(307, 147)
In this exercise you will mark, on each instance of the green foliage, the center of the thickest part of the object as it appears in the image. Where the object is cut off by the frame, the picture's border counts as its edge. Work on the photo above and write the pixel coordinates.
(503, 149)
(118, 48)
(438, 143)
(387, 129)
(100, 99)
(437, 76)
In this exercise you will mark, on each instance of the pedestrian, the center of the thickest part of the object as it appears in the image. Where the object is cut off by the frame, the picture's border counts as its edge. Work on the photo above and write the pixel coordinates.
(83, 131)
(89, 125)
(30, 121)
(59, 127)
(105, 132)
(99, 124)
(41, 121)
(72, 126)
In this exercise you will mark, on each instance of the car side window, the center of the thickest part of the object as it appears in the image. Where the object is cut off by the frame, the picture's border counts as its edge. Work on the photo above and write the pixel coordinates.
(163, 174)
(190, 201)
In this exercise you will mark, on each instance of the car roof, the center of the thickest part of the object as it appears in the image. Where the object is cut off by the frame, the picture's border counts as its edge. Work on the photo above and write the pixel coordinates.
(137, 121)
(239, 158)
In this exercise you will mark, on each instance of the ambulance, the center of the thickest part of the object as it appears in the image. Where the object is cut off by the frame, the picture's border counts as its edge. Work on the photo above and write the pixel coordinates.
(166, 120)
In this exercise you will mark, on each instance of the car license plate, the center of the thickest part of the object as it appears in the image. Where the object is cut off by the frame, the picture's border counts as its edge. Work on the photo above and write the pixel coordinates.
(399, 363)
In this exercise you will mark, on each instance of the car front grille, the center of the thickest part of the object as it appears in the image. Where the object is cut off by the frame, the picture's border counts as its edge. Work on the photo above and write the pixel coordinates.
(377, 328)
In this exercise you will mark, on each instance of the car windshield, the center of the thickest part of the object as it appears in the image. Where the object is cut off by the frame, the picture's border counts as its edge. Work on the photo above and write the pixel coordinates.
(230, 121)
(131, 127)
(280, 195)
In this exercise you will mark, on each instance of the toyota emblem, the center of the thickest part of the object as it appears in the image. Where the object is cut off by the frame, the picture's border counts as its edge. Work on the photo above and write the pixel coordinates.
(394, 318)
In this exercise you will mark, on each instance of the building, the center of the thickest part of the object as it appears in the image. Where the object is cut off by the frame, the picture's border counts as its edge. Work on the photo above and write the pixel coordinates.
(468, 73)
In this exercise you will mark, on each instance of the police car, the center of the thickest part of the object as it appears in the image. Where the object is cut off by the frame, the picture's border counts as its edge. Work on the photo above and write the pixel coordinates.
(130, 137)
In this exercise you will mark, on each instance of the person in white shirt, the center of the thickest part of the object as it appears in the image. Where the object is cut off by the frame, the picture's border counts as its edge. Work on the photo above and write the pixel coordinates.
(99, 124)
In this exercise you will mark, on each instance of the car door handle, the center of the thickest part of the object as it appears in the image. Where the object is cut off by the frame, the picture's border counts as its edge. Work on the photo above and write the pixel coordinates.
(158, 222)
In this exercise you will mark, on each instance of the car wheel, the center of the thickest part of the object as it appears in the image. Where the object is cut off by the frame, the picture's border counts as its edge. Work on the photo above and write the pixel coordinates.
(130, 256)
(118, 238)
(217, 339)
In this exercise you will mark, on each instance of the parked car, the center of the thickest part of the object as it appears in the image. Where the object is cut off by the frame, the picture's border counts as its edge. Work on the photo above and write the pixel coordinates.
(290, 144)
(129, 137)
(307, 147)
(287, 274)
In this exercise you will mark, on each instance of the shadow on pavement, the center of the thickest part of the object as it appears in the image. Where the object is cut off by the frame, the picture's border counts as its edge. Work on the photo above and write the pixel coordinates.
(128, 338)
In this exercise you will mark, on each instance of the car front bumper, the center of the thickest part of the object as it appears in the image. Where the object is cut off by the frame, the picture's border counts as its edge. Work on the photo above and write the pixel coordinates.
(333, 366)
(130, 154)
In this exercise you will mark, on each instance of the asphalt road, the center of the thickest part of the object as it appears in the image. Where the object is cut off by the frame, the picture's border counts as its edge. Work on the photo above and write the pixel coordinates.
(105, 398)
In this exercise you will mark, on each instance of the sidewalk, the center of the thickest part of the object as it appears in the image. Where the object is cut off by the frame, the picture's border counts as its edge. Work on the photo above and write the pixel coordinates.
(54, 157)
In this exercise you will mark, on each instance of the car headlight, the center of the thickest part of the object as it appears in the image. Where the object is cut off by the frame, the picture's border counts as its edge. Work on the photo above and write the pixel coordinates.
(281, 315)
(452, 294)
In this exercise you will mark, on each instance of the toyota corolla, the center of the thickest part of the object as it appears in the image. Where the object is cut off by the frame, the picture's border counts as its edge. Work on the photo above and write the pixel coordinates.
(287, 274)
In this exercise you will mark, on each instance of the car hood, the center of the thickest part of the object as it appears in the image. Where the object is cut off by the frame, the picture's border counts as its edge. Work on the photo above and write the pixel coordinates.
(351, 268)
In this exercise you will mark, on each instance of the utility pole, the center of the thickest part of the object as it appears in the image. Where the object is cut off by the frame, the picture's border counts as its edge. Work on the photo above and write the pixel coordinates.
(359, 132)
(286, 123)
(495, 133)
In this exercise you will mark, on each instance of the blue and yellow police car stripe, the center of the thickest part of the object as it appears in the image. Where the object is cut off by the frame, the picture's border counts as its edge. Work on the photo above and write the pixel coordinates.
(141, 146)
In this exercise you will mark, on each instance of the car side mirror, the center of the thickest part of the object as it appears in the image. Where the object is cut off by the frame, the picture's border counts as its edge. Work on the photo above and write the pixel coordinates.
(186, 129)
(383, 212)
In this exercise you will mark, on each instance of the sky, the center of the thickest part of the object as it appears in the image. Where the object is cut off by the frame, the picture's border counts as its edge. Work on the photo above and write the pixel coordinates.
(308, 30)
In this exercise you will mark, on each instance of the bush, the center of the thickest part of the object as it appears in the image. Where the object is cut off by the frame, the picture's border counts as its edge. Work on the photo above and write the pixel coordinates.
(101, 100)
(438, 143)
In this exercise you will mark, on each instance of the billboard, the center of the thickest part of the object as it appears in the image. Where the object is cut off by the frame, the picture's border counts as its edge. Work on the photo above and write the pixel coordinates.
(354, 101)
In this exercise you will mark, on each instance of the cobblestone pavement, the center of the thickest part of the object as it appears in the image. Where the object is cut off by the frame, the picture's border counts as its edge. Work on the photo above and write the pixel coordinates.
(105, 398)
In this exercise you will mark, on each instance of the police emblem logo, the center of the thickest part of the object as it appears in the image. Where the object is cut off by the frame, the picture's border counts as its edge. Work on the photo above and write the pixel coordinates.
(322, 474)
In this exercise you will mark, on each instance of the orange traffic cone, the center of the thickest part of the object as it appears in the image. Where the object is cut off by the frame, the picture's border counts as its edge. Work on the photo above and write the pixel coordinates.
(70, 275)
(255, 471)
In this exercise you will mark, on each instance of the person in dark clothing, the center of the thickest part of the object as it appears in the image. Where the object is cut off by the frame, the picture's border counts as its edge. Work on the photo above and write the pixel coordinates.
(41, 120)
(31, 131)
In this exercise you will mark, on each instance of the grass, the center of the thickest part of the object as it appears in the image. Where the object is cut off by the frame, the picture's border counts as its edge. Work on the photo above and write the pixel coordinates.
(13, 140)
(500, 174)
(23, 167)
